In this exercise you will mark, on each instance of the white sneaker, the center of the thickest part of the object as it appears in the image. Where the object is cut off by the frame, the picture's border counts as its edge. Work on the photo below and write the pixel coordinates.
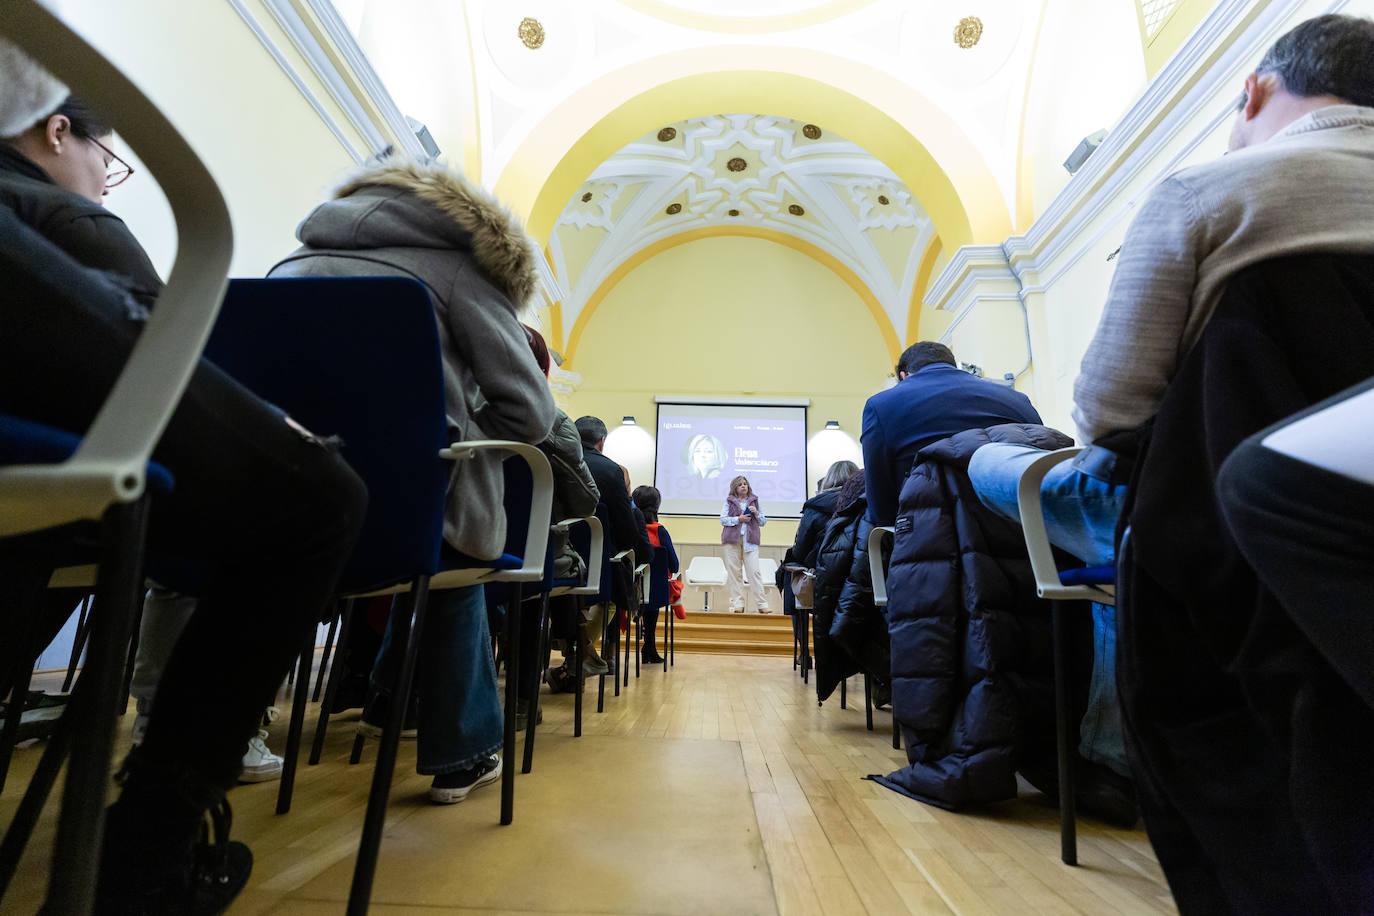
(260, 764)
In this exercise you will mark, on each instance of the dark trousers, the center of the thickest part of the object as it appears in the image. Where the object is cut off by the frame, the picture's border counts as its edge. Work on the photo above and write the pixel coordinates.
(259, 526)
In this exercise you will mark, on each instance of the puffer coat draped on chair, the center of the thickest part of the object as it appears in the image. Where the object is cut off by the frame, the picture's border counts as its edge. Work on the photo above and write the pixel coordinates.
(971, 652)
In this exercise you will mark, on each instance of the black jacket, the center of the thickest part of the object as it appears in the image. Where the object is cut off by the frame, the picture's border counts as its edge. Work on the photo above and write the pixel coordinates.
(627, 524)
(971, 649)
(85, 230)
(815, 516)
(834, 558)
(1276, 747)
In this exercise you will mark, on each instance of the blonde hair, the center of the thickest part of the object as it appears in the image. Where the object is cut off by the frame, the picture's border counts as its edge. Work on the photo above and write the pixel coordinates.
(741, 479)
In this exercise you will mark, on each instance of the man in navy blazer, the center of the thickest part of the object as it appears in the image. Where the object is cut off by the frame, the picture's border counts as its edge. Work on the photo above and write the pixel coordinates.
(933, 399)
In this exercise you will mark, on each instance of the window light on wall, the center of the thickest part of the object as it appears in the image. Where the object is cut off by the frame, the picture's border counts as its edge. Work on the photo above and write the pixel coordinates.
(1154, 13)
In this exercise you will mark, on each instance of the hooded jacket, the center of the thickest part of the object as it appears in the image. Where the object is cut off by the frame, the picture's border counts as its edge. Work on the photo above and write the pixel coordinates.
(425, 222)
(815, 516)
(971, 652)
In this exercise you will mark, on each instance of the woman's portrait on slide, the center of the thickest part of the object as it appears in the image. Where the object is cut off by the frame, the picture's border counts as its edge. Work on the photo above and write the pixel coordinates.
(704, 456)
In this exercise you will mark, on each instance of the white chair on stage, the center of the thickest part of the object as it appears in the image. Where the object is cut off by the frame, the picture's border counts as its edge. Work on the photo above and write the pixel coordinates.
(703, 573)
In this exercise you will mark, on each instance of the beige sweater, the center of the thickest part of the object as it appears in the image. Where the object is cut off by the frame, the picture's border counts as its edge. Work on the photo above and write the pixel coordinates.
(1310, 188)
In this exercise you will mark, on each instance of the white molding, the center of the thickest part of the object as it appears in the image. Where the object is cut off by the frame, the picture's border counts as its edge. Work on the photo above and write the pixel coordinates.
(295, 77)
(548, 280)
(341, 36)
(291, 22)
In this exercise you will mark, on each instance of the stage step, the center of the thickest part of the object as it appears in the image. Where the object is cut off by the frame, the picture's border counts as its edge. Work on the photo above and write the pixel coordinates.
(713, 633)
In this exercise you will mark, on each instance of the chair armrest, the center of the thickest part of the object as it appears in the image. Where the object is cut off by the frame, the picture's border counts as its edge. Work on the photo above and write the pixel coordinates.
(110, 464)
(1047, 581)
(541, 501)
(596, 548)
(642, 576)
(875, 562)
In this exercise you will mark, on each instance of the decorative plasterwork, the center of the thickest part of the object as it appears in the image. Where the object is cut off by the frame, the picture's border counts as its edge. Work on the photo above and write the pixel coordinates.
(750, 170)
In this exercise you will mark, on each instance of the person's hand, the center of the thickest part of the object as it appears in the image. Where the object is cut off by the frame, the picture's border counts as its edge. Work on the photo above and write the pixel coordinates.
(744, 519)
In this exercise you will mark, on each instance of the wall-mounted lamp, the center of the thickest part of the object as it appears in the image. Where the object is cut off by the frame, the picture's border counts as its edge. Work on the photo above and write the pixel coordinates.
(832, 424)
(627, 421)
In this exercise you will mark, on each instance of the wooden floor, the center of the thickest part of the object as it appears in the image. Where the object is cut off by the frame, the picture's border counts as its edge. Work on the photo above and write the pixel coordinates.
(831, 841)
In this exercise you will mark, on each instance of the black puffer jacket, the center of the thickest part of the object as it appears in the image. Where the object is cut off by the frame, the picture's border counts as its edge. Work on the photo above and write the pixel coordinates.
(833, 561)
(971, 652)
(80, 227)
(815, 516)
(860, 626)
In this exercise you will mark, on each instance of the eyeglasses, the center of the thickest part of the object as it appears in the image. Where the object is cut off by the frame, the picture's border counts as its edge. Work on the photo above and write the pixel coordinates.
(117, 171)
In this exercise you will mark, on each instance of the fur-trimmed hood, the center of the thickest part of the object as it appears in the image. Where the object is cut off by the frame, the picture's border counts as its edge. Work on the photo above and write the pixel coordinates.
(404, 203)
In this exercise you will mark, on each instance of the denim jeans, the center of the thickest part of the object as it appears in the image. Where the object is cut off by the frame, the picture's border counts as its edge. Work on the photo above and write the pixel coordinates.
(461, 720)
(1080, 516)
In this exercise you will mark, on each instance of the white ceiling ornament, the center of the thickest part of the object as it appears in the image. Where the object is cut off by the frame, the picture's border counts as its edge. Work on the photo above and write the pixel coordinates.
(883, 205)
(758, 173)
(592, 206)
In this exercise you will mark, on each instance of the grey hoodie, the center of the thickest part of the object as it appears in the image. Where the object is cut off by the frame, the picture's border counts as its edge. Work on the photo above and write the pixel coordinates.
(428, 223)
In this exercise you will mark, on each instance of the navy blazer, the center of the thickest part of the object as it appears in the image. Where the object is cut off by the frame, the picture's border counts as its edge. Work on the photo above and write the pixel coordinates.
(931, 404)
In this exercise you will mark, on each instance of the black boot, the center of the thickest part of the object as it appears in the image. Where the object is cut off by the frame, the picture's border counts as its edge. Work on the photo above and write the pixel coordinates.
(158, 855)
(648, 655)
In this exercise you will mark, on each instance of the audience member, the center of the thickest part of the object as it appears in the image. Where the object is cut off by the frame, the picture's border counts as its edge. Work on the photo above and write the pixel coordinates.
(850, 632)
(235, 461)
(575, 495)
(422, 220)
(626, 533)
(816, 513)
(741, 522)
(663, 565)
(933, 399)
(1303, 133)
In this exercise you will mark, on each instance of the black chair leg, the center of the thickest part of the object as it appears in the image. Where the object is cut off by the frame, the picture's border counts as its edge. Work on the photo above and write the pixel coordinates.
(118, 604)
(293, 733)
(331, 689)
(669, 634)
(324, 659)
(1063, 719)
(806, 647)
(868, 700)
(601, 678)
(513, 614)
(532, 681)
(616, 639)
(78, 643)
(127, 684)
(896, 732)
(638, 649)
(408, 628)
(844, 693)
(579, 680)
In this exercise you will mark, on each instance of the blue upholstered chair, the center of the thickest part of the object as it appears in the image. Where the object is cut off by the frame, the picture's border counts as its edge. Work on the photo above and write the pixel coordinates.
(359, 358)
(48, 479)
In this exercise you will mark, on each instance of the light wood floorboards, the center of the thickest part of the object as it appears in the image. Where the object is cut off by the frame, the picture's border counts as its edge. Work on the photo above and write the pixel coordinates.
(834, 843)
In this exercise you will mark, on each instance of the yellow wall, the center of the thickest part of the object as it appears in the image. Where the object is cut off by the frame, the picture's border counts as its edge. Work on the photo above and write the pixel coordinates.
(272, 155)
(731, 317)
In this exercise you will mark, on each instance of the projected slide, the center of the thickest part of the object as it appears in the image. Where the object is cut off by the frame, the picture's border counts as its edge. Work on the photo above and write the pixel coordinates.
(702, 447)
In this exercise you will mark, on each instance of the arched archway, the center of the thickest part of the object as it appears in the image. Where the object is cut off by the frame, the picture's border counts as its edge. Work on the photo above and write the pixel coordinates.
(916, 139)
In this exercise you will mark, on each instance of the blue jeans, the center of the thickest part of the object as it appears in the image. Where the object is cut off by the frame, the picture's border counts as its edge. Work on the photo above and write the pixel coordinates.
(461, 721)
(1080, 516)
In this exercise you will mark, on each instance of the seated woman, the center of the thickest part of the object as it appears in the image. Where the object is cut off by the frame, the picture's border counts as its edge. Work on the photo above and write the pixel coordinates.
(65, 334)
(424, 221)
(663, 565)
(55, 175)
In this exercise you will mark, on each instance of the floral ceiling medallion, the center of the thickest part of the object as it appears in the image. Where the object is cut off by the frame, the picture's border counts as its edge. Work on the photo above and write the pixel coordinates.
(666, 134)
(811, 132)
(737, 164)
(531, 33)
(796, 209)
(673, 209)
(968, 31)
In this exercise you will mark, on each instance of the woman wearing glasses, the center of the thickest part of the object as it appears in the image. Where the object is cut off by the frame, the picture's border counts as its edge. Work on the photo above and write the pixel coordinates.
(55, 176)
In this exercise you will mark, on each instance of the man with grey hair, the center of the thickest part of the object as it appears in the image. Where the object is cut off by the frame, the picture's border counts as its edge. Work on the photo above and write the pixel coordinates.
(1298, 179)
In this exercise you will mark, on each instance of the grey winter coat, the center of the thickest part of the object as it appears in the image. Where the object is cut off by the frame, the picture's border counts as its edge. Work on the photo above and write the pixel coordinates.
(428, 223)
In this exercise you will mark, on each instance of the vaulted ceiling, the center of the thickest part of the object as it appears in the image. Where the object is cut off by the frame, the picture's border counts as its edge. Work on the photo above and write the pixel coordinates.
(748, 174)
